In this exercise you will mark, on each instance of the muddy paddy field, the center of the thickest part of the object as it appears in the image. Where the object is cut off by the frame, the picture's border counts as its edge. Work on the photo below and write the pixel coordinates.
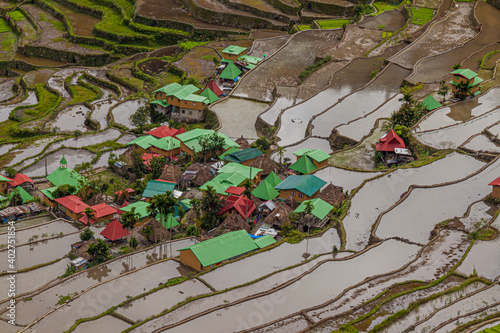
(406, 253)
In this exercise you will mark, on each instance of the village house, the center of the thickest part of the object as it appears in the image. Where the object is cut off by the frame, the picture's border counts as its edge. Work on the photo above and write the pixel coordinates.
(232, 174)
(190, 141)
(114, 231)
(102, 212)
(245, 156)
(155, 187)
(393, 149)
(495, 192)
(214, 88)
(300, 188)
(230, 74)
(71, 206)
(317, 156)
(266, 189)
(22, 180)
(303, 165)
(213, 252)
(248, 62)
(240, 204)
(320, 211)
(233, 52)
(142, 143)
(167, 147)
(141, 209)
(210, 95)
(430, 103)
(164, 131)
(4, 183)
(464, 75)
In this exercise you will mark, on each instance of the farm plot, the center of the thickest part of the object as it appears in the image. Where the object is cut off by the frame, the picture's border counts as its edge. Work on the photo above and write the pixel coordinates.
(39, 76)
(6, 92)
(70, 119)
(318, 80)
(347, 179)
(268, 46)
(8, 41)
(481, 259)
(6, 109)
(438, 67)
(31, 149)
(440, 203)
(73, 156)
(123, 111)
(442, 36)
(199, 62)
(294, 121)
(367, 204)
(101, 110)
(103, 324)
(284, 67)
(238, 116)
(52, 229)
(479, 215)
(482, 143)
(82, 24)
(56, 81)
(87, 140)
(391, 20)
(361, 102)
(455, 135)
(284, 99)
(356, 43)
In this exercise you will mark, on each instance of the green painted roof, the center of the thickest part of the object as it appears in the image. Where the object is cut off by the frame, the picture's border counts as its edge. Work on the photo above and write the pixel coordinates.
(229, 151)
(65, 176)
(48, 192)
(186, 203)
(169, 89)
(320, 210)
(477, 80)
(478, 92)
(169, 222)
(234, 49)
(22, 192)
(245, 171)
(191, 139)
(193, 134)
(161, 102)
(224, 247)
(185, 91)
(155, 187)
(265, 191)
(220, 188)
(465, 72)
(307, 184)
(195, 98)
(241, 156)
(303, 165)
(273, 179)
(4, 179)
(143, 141)
(141, 208)
(316, 154)
(431, 103)
(231, 72)
(63, 160)
(264, 241)
(210, 95)
(250, 59)
(166, 143)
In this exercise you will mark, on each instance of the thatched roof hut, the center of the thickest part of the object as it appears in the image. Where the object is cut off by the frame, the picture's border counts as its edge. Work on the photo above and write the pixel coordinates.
(242, 142)
(265, 163)
(158, 233)
(332, 194)
(95, 200)
(235, 222)
(292, 204)
(203, 175)
(82, 250)
(171, 173)
(279, 216)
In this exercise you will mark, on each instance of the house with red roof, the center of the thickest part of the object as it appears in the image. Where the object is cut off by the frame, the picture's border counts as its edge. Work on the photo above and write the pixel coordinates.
(495, 192)
(102, 212)
(241, 204)
(165, 131)
(126, 193)
(235, 190)
(215, 88)
(393, 149)
(21, 180)
(71, 206)
(114, 231)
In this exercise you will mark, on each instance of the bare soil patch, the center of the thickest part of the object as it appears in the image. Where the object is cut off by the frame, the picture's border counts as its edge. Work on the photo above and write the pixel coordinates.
(153, 66)
(268, 46)
(82, 24)
(356, 43)
(198, 62)
(390, 21)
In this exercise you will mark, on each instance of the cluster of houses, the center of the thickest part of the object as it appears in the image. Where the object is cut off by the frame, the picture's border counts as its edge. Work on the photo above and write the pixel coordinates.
(187, 103)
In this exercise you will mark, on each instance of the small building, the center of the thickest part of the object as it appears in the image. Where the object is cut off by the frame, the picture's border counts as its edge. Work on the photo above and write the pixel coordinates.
(233, 190)
(140, 208)
(79, 263)
(72, 206)
(244, 171)
(240, 204)
(114, 231)
(495, 192)
(233, 52)
(279, 216)
(249, 62)
(164, 131)
(430, 103)
(317, 156)
(213, 252)
(332, 194)
(265, 163)
(167, 147)
(157, 186)
(300, 188)
(464, 75)
(303, 165)
(265, 191)
(393, 149)
(210, 95)
(142, 143)
(102, 212)
(230, 73)
(125, 194)
(190, 141)
(215, 88)
(168, 90)
(320, 211)
(23, 195)
(180, 102)
(13, 213)
(4, 183)
(23, 181)
(245, 156)
(65, 176)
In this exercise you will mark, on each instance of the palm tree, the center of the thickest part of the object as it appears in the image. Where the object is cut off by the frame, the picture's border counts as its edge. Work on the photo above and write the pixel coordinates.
(90, 214)
(164, 205)
(309, 207)
(98, 251)
(463, 90)
(16, 199)
(247, 184)
(129, 219)
(281, 152)
(407, 98)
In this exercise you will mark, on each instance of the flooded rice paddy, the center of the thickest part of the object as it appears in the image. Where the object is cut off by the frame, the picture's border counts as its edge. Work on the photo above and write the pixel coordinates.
(367, 205)
(284, 99)
(108, 324)
(6, 109)
(101, 110)
(347, 179)
(71, 119)
(31, 150)
(29, 222)
(73, 156)
(482, 258)
(482, 143)
(123, 111)
(47, 230)
(317, 143)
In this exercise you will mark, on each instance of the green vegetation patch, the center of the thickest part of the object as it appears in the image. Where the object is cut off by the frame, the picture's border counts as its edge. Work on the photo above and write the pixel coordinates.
(421, 15)
(384, 7)
(333, 24)
(56, 23)
(8, 40)
(47, 101)
(186, 46)
(81, 94)
(302, 27)
(16, 15)
(386, 34)
(4, 27)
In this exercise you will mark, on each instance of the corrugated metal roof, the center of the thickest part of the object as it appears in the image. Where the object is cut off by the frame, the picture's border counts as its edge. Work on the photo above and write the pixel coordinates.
(303, 165)
(224, 247)
(465, 72)
(141, 208)
(169, 89)
(265, 191)
(234, 49)
(264, 241)
(273, 179)
(209, 94)
(185, 91)
(245, 171)
(166, 143)
(320, 210)
(231, 72)
(63, 176)
(431, 103)
(307, 184)
(143, 141)
(155, 187)
(243, 155)
(316, 154)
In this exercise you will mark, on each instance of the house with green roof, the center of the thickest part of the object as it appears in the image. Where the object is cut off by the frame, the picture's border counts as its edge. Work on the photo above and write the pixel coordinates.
(167, 146)
(233, 52)
(232, 174)
(430, 103)
(166, 91)
(142, 143)
(230, 73)
(66, 176)
(4, 183)
(180, 102)
(190, 141)
(303, 165)
(250, 60)
(25, 196)
(265, 191)
(300, 188)
(141, 209)
(212, 252)
(320, 210)
(245, 156)
(209, 94)
(465, 76)
(273, 179)
(247, 172)
(155, 187)
(317, 156)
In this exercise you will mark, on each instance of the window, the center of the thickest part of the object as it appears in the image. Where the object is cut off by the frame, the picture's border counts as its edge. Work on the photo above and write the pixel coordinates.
(301, 195)
(183, 111)
(194, 103)
(293, 193)
(190, 113)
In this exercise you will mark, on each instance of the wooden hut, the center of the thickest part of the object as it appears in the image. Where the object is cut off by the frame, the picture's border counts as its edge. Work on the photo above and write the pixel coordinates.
(242, 142)
(235, 222)
(171, 173)
(154, 231)
(332, 194)
(279, 216)
(202, 176)
(265, 163)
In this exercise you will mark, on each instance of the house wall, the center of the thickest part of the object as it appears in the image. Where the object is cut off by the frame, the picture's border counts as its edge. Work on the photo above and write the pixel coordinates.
(189, 259)
(3, 186)
(496, 192)
(191, 105)
(160, 95)
(186, 149)
(70, 213)
(188, 114)
(247, 163)
(232, 56)
(49, 202)
(297, 195)
(166, 153)
(105, 218)
(320, 164)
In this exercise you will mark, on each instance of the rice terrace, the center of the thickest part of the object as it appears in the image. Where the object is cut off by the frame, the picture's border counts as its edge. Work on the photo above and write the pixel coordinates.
(250, 166)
